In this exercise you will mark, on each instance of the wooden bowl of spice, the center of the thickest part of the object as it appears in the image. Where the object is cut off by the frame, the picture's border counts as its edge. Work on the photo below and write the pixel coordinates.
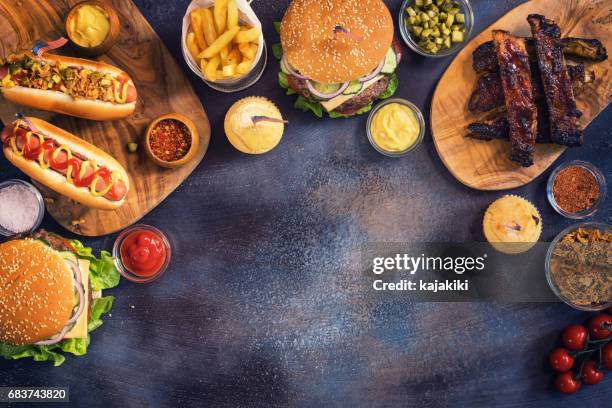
(576, 189)
(171, 140)
(578, 266)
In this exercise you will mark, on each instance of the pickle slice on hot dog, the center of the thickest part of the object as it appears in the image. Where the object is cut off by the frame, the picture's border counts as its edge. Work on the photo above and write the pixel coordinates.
(65, 163)
(72, 86)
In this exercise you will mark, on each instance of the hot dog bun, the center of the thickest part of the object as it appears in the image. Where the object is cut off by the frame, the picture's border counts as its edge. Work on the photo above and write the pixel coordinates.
(57, 181)
(56, 101)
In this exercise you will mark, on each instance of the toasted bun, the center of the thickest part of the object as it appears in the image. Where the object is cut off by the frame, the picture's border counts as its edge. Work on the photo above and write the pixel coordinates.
(55, 101)
(36, 292)
(313, 49)
(57, 181)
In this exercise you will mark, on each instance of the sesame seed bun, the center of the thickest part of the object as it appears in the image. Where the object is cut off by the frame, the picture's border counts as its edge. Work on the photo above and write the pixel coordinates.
(311, 47)
(36, 292)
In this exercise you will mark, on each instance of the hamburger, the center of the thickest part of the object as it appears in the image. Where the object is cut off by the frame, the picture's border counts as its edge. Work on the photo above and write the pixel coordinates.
(338, 56)
(50, 296)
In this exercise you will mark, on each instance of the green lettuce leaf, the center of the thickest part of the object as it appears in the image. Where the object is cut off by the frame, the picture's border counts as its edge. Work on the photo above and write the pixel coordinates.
(277, 50)
(102, 271)
(391, 88)
(99, 306)
(102, 275)
(305, 105)
(284, 83)
(277, 26)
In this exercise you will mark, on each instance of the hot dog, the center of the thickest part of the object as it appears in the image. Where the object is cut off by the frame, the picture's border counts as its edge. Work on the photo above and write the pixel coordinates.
(72, 86)
(65, 163)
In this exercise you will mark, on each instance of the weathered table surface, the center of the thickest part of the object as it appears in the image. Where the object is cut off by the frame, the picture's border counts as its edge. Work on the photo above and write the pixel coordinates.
(264, 303)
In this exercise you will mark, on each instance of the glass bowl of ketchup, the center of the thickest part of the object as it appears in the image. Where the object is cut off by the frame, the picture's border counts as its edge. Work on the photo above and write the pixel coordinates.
(141, 253)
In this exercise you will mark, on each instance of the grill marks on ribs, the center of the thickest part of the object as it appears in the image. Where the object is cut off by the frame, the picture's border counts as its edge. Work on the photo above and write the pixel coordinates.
(498, 127)
(489, 93)
(485, 60)
(515, 74)
(564, 116)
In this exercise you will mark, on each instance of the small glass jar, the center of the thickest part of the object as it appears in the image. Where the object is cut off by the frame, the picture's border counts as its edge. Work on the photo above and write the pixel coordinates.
(599, 177)
(118, 260)
(417, 114)
(39, 199)
(549, 254)
(466, 8)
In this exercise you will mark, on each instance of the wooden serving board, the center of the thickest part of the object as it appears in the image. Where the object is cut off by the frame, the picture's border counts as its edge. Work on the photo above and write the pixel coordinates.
(162, 88)
(485, 165)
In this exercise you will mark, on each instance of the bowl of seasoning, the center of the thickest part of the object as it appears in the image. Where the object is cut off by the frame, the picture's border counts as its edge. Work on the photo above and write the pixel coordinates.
(436, 28)
(395, 127)
(171, 140)
(578, 267)
(141, 253)
(22, 207)
(576, 189)
(93, 27)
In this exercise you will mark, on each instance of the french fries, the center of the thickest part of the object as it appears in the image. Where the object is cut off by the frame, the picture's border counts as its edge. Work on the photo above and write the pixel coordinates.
(210, 72)
(208, 25)
(232, 14)
(197, 26)
(247, 36)
(192, 46)
(220, 13)
(219, 44)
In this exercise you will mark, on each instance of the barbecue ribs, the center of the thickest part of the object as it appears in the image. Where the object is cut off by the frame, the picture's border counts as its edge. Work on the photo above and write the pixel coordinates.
(489, 93)
(515, 74)
(564, 116)
(485, 60)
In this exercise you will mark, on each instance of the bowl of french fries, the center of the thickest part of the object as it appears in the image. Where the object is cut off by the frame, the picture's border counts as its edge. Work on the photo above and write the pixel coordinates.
(222, 42)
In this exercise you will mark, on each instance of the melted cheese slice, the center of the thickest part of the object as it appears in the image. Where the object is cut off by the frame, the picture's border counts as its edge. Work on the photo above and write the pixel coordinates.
(340, 99)
(79, 330)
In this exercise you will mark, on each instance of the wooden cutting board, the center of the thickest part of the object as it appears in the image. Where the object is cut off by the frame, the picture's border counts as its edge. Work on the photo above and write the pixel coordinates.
(162, 88)
(485, 165)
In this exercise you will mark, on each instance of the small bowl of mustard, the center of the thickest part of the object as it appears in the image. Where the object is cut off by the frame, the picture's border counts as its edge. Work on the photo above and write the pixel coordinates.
(93, 27)
(171, 140)
(395, 127)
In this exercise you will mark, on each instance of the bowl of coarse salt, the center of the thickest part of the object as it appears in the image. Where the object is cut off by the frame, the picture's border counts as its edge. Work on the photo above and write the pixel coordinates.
(22, 207)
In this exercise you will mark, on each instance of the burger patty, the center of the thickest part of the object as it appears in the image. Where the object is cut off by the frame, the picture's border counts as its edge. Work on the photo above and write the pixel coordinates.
(352, 105)
(365, 98)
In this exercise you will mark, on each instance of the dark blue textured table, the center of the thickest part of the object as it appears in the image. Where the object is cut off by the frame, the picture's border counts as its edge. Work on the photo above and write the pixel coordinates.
(265, 304)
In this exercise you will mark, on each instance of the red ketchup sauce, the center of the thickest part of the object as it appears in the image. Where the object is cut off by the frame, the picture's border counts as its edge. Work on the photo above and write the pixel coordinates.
(143, 253)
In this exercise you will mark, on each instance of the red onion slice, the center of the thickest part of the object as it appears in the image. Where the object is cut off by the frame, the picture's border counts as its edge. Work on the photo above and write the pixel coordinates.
(290, 70)
(374, 73)
(322, 95)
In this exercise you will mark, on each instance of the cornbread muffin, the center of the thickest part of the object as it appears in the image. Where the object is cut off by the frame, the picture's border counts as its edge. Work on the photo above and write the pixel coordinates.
(512, 224)
(254, 125)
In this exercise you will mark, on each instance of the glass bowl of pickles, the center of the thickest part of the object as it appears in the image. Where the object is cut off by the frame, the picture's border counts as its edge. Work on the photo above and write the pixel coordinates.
(436, 28)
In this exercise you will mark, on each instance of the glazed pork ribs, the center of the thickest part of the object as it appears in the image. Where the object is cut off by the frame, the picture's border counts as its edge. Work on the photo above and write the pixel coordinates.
(515, 74)
(563, 114)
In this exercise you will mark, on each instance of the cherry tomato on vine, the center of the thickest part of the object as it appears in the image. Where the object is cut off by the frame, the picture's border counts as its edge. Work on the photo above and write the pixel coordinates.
(596, 326)
(590, 373)
(606, 356)
(561, 360)
(566, 383)
(575, 337)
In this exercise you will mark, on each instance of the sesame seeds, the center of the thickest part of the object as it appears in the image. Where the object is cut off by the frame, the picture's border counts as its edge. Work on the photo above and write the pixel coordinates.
(310, 45)
(35, 292)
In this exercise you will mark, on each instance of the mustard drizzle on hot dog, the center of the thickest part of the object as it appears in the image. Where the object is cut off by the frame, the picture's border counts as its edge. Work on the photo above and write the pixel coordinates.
(109, 177)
